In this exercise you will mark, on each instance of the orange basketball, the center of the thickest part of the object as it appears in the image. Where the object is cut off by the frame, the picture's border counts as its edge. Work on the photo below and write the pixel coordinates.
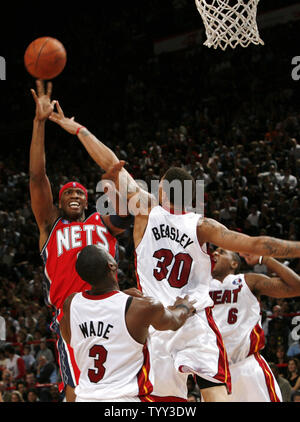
(45, 58)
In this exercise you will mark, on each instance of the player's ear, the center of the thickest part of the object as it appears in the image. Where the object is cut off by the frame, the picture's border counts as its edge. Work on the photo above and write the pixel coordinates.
(112, 266)
(234, 265)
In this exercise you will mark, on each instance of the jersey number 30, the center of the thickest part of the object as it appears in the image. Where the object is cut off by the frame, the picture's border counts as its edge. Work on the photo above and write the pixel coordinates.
(174, 268)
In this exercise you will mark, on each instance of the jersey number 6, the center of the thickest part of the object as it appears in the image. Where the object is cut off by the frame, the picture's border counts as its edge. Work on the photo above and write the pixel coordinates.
(179, 273)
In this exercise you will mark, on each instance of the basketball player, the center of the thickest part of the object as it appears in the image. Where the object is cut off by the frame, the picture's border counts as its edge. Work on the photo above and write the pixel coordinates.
(171, 260)
(237, 314)
(108, 332)
(64, 231)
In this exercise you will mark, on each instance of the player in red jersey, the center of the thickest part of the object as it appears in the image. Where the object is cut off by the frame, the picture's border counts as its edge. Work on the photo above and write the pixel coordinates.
(64, 231)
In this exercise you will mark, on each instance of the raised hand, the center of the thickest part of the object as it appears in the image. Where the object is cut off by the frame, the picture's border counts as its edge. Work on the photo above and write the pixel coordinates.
(44, 105)
(66, 123)
(186, 303)
(114, 171)
(250, 259)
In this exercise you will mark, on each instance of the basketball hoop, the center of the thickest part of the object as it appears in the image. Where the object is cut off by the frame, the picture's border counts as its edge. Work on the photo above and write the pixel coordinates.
(229, 22)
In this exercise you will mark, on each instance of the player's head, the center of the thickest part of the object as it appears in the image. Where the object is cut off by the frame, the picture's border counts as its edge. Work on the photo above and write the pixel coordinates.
(226, 262)
(73, 200)
(97, 267)
(177, 188)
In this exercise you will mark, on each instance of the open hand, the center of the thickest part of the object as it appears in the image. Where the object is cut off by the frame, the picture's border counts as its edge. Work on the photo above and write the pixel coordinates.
(113, 171)
(44, 105)
(66, 123)
(186, 303)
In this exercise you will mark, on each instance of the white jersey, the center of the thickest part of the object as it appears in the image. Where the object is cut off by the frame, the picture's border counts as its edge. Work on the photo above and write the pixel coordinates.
(111, 363)
(169, 260)
(237, 314)
(170, 263)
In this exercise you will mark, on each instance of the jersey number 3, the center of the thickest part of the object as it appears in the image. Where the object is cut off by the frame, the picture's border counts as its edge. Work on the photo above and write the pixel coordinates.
(100, 353)
(178, 273)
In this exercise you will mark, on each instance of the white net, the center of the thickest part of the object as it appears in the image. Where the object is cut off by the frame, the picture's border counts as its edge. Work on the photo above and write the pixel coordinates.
(229, 22)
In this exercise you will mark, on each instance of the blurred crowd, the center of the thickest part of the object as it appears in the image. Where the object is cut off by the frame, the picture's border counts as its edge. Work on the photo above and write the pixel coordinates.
(232, 120)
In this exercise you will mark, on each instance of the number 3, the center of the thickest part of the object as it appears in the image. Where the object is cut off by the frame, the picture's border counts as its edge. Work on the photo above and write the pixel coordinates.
(95, 375)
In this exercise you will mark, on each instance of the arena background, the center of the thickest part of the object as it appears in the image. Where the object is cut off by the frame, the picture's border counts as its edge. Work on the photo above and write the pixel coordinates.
(139, 77)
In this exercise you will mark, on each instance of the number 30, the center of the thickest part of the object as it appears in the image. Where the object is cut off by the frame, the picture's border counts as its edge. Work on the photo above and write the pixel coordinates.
(180, 271)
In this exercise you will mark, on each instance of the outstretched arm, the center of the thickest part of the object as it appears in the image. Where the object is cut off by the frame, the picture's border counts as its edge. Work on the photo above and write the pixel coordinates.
(148, 311)
(100, 153)
(106, 159)
(40, 189)
(211, 231)
(286, 284)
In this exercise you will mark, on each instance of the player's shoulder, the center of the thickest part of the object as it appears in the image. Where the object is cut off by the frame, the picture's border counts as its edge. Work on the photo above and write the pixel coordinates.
(147, 304)
(68, 301)
(95, 216)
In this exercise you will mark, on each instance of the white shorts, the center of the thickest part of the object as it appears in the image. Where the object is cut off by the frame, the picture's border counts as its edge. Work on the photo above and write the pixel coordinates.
(253, 381)
(196, 348)
(120, 399)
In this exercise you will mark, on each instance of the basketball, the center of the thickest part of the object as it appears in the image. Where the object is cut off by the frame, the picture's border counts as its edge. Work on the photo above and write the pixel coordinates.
(45, 58)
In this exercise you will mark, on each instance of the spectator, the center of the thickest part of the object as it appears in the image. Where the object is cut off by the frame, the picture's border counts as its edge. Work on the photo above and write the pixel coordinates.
(8, 379)
(294, 350)
(3, 360)
(253, 218)
(45, 351)
(269, 352)
(296, 396)
(30, 380)
(21, 387)
(288, 181)
(32, 396)
(281, 361)
(28, 358)
(284, 385)
(15, 363)
(16, 396)
(293, 373)
(278, 328)
(5, 395)
(270, 176)
(44, 370)
(54, 394)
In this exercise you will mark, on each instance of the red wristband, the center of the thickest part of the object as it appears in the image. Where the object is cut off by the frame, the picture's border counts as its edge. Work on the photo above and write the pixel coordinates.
(80, 127)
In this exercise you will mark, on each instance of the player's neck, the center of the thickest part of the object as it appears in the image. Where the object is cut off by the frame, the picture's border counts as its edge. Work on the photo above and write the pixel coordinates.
(221, 277)
(218, 277)
(79, 218)
(172, 209)
(101, 291)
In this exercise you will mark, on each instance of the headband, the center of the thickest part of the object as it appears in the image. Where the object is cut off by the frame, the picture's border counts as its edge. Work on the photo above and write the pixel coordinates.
(72, 185)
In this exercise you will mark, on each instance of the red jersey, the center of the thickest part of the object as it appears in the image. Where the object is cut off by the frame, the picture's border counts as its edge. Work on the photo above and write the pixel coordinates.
(59, 255)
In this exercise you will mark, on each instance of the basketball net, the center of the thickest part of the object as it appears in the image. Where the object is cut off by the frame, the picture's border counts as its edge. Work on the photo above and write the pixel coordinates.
(229, 22)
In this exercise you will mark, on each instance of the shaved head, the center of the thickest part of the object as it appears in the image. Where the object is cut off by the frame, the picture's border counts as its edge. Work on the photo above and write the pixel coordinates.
(94, 263)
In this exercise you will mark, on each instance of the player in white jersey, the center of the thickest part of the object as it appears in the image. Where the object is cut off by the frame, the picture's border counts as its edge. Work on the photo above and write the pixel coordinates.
(108, 331)
(194, 358)
(238, 314)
